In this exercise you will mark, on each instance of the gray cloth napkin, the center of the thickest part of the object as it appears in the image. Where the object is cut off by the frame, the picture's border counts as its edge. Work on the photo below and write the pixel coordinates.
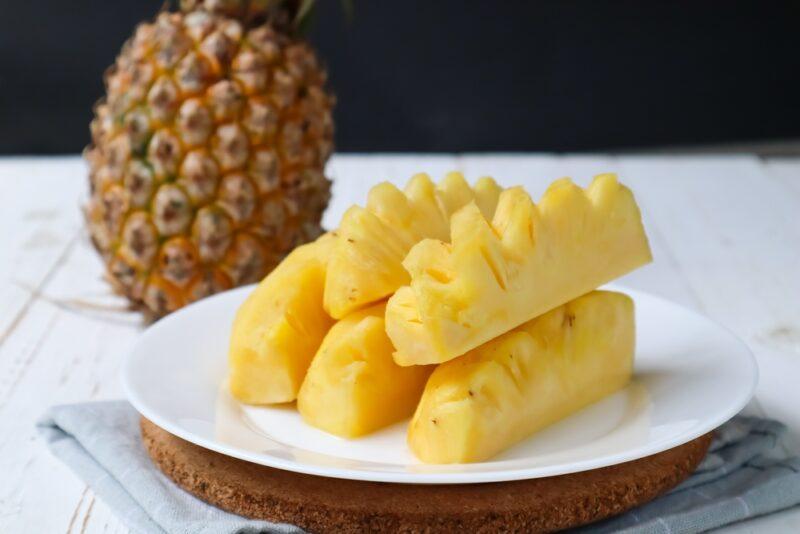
(746, 474)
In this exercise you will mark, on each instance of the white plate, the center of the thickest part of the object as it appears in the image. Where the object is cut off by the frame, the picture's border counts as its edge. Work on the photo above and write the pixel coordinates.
(691, 375)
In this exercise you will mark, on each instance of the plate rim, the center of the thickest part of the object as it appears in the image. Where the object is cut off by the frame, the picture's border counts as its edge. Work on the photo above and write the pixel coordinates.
(409, 477)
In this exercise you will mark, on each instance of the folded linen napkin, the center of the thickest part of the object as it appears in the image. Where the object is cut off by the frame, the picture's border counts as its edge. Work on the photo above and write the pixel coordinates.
(745, 474)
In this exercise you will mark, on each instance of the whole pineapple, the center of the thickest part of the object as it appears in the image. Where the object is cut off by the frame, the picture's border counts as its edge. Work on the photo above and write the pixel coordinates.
(208, 151)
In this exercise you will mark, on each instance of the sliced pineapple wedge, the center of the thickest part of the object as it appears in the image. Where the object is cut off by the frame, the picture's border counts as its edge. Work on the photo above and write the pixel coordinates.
(279, 327)
(353, 387)
(495, 276)
(366, 265)
(476, 406)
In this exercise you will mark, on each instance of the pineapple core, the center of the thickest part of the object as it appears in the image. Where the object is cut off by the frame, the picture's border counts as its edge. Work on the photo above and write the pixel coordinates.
(478, 405)
(353, 386)
(494, 276)
(279, 328)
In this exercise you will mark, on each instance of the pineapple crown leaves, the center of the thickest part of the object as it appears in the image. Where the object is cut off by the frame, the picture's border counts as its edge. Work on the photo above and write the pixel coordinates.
(304, 17)
(294, 16)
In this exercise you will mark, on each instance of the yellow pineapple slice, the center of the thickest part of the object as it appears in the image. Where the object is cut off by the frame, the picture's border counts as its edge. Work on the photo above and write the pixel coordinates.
(487, 195)
(366, 265)
(279, 327)
(454, 193)
(476, 406)
(353, 386)
(528, 260)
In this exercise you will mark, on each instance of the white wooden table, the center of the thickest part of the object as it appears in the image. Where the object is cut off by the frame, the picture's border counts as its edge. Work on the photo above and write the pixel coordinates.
(725, 233)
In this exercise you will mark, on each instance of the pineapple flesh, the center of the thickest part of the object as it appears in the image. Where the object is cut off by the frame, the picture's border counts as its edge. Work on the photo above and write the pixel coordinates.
(366, 265)
(353, 387)
(478, 405)
(208, 152)
(279, 328)
(494, 276)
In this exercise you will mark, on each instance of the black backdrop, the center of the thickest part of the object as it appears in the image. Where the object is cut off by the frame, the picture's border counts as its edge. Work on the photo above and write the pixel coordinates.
(457, 75)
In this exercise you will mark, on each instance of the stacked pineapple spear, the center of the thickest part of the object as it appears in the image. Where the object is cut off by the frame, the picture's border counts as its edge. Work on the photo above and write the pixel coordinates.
(471, 308)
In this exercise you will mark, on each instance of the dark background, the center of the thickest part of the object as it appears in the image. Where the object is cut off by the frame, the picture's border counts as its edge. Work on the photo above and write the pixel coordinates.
(448, 75)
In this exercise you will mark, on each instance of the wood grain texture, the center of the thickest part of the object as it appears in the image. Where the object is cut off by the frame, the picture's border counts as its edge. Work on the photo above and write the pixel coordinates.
(725, 233)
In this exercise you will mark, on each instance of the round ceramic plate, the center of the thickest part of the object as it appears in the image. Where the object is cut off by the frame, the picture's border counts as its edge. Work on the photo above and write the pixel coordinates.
(691, 375)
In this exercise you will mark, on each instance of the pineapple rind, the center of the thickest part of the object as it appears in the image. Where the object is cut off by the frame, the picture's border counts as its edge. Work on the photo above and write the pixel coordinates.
(207, 157)
(353, 387)
(279, 328)
(366, 266)
(528, 260)
(478, 405)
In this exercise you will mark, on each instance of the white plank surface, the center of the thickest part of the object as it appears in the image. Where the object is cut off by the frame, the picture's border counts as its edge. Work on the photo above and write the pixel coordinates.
(725, 233)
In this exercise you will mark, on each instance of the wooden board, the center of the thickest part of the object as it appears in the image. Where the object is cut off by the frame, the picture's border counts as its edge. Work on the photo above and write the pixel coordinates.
(320, 504)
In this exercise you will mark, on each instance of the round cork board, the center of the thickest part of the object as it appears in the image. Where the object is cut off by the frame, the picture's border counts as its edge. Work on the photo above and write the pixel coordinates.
(320, 504)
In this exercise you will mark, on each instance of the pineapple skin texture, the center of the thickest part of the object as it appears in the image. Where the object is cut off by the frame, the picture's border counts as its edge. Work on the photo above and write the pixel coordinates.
(207, 156)
(279, 328)
(495, 276)
(353, 387)
(476, 406)
(366, 266)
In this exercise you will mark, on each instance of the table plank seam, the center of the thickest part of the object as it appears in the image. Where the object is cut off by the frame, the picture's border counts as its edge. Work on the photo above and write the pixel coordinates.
(51, 272)
(26, 364)
(74, 517)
